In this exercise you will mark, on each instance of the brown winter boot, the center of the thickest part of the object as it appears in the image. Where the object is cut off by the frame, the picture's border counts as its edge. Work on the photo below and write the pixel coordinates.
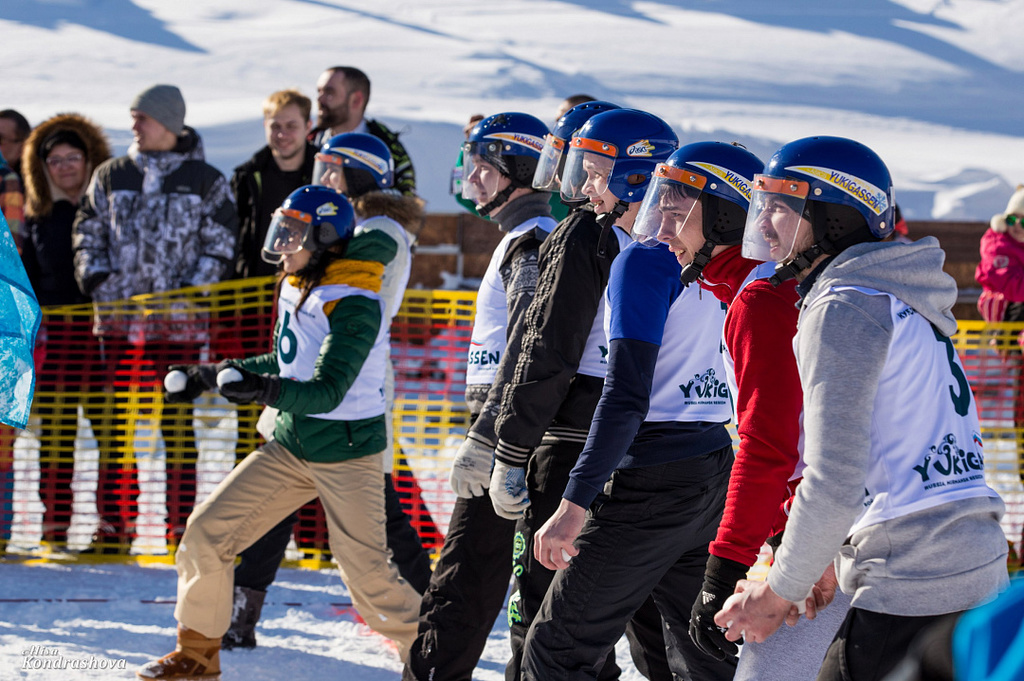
(195, 657)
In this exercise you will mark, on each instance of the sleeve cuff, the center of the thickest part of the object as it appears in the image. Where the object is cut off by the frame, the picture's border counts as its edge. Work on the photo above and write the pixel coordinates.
(791, 590)
(512, 455)
(580, 493)
(479, 439)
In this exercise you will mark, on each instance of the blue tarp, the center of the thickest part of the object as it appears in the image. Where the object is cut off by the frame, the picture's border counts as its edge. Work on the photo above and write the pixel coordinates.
(19, 322)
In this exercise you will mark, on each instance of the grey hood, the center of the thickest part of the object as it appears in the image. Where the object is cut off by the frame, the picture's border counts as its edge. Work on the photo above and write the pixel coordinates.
(911, 272)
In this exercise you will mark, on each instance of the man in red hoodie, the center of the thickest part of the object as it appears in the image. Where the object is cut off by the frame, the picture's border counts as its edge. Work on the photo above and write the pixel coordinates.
(765, 385)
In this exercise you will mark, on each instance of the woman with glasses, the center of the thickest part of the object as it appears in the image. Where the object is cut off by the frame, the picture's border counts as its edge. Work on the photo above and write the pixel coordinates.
(58, 160)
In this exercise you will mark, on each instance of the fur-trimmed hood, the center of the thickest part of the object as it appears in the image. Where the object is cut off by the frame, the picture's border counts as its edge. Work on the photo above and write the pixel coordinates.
(405, 210)
(39, 191)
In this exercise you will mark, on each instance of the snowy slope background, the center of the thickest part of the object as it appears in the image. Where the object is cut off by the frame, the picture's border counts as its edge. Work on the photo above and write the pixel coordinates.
(936, 87)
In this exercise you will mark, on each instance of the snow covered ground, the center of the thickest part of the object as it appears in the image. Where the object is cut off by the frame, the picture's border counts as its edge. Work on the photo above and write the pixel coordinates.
(60, 622)
(112, 618)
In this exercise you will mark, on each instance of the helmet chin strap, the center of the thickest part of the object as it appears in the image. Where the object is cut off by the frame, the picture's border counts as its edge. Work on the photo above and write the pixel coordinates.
(693, 270)
(607, 221)
(803, 261)
(497, 201)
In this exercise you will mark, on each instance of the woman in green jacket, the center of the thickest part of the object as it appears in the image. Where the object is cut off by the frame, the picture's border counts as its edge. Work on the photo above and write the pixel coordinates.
(326, 376)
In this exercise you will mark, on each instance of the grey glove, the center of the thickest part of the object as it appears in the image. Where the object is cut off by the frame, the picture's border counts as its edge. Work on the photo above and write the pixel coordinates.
(508, 491)
(471, 470)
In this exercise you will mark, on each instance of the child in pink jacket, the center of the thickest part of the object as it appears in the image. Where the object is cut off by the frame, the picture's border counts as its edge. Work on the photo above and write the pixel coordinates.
(1001, 271)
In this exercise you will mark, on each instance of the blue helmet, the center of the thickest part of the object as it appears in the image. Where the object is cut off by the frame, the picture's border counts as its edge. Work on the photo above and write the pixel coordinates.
(838, 185)
(717, 176)
(311, 218)
(511, 142)
(556, 143)
(616, 150)
(363, 160)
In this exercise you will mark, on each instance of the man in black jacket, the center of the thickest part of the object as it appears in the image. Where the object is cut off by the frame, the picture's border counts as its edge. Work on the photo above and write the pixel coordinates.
(275, 171)
(342, 93)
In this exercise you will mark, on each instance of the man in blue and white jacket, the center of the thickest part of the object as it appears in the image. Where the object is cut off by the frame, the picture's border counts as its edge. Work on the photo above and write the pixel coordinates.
(655, 469)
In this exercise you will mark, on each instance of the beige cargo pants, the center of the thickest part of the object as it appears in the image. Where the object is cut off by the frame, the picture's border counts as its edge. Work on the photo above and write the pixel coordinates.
(261, 491)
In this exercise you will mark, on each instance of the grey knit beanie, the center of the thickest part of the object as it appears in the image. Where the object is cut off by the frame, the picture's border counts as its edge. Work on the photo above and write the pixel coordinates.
(164, 104)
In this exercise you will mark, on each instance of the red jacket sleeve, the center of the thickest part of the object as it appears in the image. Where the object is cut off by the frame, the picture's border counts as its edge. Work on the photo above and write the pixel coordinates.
(759, 332)
(1002, 265)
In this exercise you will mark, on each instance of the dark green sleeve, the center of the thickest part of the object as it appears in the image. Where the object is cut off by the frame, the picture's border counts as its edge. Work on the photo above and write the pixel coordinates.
(372, 246)
(355, 323)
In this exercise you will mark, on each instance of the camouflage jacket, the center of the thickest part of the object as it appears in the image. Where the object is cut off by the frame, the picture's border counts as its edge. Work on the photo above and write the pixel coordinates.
(152, 222)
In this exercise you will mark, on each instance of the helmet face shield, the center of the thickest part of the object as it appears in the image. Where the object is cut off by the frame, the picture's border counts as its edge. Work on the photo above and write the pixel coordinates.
(549, 167)
(588, 167)
(328, 171)
(469, 192)
(287, 234)
(668, 205)
(773, 221)
(481, 180)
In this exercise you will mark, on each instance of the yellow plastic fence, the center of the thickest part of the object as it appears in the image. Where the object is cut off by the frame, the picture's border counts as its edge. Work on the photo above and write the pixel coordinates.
(104, 451)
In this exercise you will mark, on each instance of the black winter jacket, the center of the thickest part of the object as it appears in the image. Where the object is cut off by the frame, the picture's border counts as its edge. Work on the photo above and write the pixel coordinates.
(544, 393)
(250, 188)
(48, 259)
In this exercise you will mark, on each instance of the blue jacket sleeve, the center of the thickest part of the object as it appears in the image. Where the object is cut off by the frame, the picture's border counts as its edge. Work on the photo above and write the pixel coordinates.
(641, 289)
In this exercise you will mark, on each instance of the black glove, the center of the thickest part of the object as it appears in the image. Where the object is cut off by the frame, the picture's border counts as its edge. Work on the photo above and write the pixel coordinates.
(720, 577)
(260, 388)
(200, 377)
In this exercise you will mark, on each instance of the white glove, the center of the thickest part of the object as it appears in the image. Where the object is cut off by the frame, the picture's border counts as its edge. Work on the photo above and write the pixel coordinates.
(471, 469)
(509, 495)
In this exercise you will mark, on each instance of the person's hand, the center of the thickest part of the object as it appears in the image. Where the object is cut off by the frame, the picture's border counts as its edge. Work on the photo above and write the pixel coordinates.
(822, 593)
(555, 540)
(720, 578)
(753, 613)
(189, 381)
(245, 387)
(471, 469)
(508, 492)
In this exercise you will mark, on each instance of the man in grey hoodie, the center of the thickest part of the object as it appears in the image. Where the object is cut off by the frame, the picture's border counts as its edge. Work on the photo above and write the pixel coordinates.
(894, 490)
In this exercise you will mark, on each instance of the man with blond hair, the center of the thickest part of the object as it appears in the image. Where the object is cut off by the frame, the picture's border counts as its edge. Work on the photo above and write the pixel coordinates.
(262, 183)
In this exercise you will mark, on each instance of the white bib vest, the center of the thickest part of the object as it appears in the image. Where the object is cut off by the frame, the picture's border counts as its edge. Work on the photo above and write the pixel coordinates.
(594, 361)
(301, 336)
(490, 323)
(689, 379)
(762, 271)
(926, 446)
